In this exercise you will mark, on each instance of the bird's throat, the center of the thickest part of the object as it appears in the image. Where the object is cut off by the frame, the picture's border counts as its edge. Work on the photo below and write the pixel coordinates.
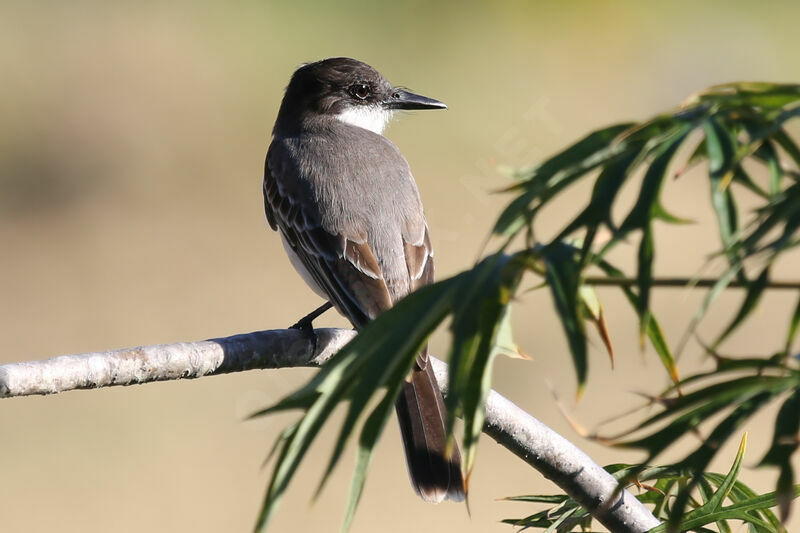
(370, 118)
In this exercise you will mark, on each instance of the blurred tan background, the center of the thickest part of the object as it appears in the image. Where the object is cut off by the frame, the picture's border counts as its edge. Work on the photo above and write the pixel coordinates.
(131, 155)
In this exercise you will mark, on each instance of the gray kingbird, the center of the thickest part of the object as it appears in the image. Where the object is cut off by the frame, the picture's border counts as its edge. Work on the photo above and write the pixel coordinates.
(342, 198)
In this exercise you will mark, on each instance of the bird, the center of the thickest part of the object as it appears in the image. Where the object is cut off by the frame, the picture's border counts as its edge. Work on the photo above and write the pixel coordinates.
(350, 217)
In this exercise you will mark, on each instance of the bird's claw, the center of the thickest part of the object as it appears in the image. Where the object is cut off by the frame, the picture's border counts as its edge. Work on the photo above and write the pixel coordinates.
(306, 327)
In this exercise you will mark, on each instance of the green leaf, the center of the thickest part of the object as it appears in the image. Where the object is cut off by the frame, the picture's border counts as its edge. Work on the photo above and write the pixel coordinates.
(721, 153)
(749, 94)
(538, 498)
(544, 181)
(514, 217)
(660, 213)
(727, 484)
(644, 280)
(666, 481)
(774, 166)
(712, 511)
(720, 285)
(743, 493)
(653, 328)
(794, 327)
(785, 441)
(642, 212)
(292, 452)
(480, 330)
(688, 411)
(698, 155)
(373, 427)
(741, 177)
(604, 193)
(378, 357)
(661, 510)
(563, 277)
(788, 145)
(707, 493)
(504, 338)
(283, 436)
(656, 336)
(555, 525)
(780, 211)
(699, 460)
(593, 311)
(648, 205)
(738, 511)
(589, 148)
(754, 291)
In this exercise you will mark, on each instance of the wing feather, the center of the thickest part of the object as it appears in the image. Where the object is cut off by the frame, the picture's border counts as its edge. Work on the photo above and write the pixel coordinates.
(346, 270)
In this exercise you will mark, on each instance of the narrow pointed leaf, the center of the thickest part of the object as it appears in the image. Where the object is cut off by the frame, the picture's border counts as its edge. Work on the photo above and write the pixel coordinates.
(660, 213)
(653, 330)
(721, 154)
(406, 338)
(727, 484)
(746, 94)
(644, 280)
(604, 193)
(641, 213)
(360, 365)
(741, 177)
(774, 166)
(580, 152)
(736, 511)
(514, 217)
(594, 312)
(752, 297)
(789, 146)
(785, 442)
(707, 492)
(794, 327)
(373, 427)
(688, 411)
(563, 280)
(699, 460)
(549, 177)
(477, 326)
(721, 284)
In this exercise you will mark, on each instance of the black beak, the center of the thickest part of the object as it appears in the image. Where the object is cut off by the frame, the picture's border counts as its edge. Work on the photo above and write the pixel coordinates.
(405, 100)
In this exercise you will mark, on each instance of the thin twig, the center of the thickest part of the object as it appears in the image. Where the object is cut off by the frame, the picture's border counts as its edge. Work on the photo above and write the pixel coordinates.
(683, 282)
(551, 454)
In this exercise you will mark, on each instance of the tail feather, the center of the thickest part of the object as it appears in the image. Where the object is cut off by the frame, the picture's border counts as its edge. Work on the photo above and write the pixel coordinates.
(421, 413)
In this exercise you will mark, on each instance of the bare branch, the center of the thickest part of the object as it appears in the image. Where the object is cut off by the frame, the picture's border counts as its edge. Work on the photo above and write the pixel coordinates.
(685, 283)
(163, 362)
(538, 445)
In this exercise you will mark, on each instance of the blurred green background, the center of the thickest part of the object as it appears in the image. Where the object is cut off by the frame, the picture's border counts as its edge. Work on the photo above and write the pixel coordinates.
(131, 156)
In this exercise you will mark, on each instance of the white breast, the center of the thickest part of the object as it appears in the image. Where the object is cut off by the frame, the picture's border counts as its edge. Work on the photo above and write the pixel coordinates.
(301, 269)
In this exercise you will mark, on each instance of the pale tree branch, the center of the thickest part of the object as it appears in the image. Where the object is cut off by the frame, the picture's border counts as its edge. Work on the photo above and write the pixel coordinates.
(538, 445)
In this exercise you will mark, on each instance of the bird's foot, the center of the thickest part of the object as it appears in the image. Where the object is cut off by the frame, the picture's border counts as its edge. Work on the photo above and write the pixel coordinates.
(306, 327)
(306, 322)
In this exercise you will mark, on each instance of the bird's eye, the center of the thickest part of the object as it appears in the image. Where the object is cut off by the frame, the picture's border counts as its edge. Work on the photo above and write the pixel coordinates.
(360, 90)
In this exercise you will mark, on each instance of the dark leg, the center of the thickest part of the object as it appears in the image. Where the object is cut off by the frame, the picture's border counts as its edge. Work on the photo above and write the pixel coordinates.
(305, 324)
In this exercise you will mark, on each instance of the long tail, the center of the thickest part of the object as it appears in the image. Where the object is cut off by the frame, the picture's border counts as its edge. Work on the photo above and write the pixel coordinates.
(421, 413)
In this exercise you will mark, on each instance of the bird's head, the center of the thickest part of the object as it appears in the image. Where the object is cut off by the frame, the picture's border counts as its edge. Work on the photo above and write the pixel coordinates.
(348, 90)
